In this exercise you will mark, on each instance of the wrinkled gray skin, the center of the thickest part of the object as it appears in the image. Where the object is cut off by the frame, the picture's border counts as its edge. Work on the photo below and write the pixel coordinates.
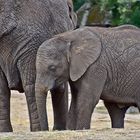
(24, 26)
(99, 63)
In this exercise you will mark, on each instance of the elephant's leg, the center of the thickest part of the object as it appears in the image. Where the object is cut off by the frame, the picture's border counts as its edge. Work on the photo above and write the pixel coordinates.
(27, 73)
(32, 108)
(86, 94)
(117, 114)
(60, 106)
(71, 121)
(81, 108)
(5, 123)
(84, 109)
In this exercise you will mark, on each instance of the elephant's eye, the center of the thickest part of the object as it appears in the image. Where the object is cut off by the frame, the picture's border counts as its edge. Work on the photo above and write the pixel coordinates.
(52, 68)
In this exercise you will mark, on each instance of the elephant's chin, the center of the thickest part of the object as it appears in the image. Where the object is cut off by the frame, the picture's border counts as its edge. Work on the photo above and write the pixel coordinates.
(46, 90)
(51, 85)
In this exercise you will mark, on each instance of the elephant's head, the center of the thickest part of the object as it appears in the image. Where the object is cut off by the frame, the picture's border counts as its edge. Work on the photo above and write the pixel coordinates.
(51, 65)
(66, 56)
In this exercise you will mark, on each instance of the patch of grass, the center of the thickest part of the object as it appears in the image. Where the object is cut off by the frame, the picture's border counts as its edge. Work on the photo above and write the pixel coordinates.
(102, 134)
(6, 138)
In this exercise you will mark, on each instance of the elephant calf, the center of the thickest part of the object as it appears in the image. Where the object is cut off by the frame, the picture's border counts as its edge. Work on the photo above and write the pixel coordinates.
(99, 63)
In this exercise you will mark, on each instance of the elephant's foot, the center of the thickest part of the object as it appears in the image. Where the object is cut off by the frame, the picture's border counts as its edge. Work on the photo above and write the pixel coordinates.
(35, 127)
(59, 124)
(80, 125)
(5, 126)
(83, 124)
(59, 127)
(70, 125)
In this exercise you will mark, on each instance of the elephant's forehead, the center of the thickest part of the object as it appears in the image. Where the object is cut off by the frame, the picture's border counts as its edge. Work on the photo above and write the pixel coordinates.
(53, 55)
(50, 54)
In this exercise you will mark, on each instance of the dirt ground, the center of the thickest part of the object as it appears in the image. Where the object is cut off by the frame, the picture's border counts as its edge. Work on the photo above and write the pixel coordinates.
(100, 125)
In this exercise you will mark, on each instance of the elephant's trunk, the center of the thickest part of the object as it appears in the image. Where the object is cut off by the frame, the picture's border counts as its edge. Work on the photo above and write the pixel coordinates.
(41, 96)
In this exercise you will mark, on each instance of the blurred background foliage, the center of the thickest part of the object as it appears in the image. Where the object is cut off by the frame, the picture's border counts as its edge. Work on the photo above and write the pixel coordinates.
(107, 12)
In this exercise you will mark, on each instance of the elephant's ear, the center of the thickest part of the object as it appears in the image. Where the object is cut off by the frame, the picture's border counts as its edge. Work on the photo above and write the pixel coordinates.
(85, 50)
(7, 17)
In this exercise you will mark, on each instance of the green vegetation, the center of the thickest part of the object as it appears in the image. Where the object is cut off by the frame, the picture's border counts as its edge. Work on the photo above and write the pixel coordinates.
(78, 4)
(115, 12)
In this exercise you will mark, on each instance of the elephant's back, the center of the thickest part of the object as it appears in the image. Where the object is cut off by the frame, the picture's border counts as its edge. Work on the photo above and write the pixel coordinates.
(120, 38)
(42, 15)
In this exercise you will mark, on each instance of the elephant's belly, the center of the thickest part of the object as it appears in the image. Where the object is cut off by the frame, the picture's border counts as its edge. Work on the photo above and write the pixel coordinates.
(123, 88)
(14, 81)
(118, 99)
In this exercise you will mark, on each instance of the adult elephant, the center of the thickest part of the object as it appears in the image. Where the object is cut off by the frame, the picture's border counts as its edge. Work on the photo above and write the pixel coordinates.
(99, 63)
(24, 25)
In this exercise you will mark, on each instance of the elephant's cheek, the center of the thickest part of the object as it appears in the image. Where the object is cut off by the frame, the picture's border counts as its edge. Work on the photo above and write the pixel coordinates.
(49, 83)
(39, 89)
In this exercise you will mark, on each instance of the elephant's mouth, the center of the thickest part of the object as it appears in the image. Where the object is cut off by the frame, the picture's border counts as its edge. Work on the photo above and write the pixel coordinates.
(59, 82)
(53, 84)
(42, 87)
(50, 84)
